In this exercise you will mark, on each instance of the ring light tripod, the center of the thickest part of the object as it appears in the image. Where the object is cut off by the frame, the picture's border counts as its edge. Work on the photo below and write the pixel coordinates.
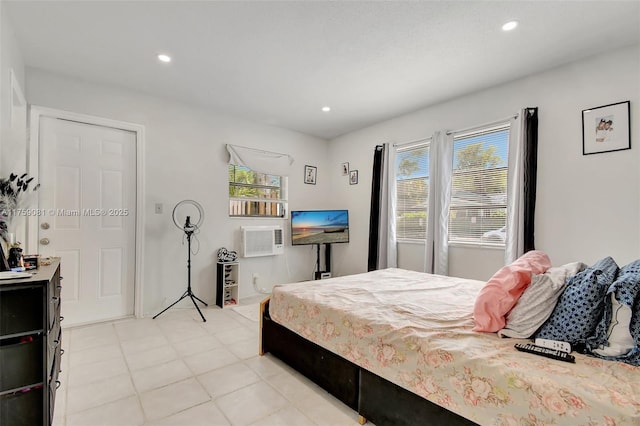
(189, 228)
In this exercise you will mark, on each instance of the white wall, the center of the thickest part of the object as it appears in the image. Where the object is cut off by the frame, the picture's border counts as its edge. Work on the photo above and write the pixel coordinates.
(587, 206)
(13, 140)
(185, 158)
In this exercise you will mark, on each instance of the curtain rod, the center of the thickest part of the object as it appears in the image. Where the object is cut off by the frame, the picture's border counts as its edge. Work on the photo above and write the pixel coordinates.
(403, 144)
(454, 132)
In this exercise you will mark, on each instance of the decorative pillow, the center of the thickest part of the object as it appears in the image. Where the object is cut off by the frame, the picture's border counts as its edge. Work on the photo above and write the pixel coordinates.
(581, 305)
(613, 336)
(503, 290)
(618, 336)
(538, 300)
(633, 357)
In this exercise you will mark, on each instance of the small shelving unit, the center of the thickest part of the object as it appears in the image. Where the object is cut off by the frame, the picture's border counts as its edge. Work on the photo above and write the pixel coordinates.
(227, 284)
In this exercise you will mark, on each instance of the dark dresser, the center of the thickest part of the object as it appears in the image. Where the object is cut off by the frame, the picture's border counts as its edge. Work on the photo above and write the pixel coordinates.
(30, 347)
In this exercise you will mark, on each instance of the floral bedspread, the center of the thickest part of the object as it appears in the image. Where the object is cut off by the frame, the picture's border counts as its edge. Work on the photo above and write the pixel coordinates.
(415, 330)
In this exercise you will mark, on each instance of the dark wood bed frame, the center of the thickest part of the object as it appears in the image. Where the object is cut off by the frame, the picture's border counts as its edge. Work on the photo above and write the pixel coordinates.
(373, 397)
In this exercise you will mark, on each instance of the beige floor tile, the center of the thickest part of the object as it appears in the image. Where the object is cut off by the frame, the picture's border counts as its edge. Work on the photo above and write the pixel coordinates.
(267, 366)
(160, 375)
(323, 409)
(197, 345)
(173, 398)
(244, 349)
(228, 379)
(155, 356)
(80, 398)
(207, 414)
(294, 386)
(93, 355)
(91, 337)
(144, 344)
(210, 360)
(287, 416)
(136, 329)
(96, 372)
(236, 335)
(124, 412)
(251, 403)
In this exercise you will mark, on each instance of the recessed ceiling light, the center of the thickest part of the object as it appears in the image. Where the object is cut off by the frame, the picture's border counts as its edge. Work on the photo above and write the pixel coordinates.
(511, 25)
(164, 58)
(326, 109)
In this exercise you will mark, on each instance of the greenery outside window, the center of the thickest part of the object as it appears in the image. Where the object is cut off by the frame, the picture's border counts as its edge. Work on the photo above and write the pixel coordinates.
(478, 207)
(412, 191)
(253, 194)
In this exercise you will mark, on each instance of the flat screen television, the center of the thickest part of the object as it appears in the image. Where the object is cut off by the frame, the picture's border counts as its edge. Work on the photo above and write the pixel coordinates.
(319, 227)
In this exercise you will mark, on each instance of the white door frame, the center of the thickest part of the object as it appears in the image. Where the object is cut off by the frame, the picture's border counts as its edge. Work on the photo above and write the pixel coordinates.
(33, 166)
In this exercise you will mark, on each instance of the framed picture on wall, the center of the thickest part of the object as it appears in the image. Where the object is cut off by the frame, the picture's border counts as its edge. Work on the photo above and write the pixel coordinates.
(353, 177)
(345, 169)
(310, 173)
(606, 128)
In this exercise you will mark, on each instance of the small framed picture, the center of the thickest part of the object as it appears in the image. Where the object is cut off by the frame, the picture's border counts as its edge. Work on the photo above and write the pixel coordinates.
(606, 128)
(353, 177)
(345, 169)
(310, 174)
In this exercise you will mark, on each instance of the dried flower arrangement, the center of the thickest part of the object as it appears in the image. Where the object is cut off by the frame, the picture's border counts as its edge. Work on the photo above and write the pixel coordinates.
(12, 191)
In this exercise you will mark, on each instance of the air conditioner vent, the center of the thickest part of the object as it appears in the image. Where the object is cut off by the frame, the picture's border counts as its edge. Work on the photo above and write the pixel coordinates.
(261, 241)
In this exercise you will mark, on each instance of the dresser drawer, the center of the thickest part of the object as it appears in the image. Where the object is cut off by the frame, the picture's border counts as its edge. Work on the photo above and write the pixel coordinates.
(21, 310)
(22, 408)
(21, 363)
(54, 343)
(54, 312)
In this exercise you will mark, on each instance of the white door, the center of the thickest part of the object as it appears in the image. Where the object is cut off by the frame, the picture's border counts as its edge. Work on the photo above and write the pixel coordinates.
(87, 205)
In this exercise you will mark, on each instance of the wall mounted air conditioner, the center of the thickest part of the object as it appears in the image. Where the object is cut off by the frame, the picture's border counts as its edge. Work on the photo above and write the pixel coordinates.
(261, 240)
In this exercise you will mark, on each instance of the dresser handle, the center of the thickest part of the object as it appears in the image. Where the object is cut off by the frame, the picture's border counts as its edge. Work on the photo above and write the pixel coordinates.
(61, 352)
(58, 383)
(55, 299)
(61, 318)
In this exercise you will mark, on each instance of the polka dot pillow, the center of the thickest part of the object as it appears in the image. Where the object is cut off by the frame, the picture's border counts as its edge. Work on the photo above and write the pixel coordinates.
(581, 305)
(614, 336)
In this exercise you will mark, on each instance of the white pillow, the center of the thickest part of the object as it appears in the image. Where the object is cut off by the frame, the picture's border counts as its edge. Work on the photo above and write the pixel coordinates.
(538, 300)
(618, 334)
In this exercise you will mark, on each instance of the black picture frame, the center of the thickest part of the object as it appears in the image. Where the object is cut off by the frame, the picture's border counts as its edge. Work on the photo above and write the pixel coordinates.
(606, 128)
(310, 174)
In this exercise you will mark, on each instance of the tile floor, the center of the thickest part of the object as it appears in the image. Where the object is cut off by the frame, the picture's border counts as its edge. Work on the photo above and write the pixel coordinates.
(178, 370)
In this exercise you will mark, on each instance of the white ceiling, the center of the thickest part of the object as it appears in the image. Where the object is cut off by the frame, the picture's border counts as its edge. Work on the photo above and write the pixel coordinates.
(280, 62)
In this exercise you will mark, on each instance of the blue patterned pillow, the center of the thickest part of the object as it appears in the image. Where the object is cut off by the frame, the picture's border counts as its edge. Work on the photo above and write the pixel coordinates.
(634, 356)
(581, 305)
(625, 289)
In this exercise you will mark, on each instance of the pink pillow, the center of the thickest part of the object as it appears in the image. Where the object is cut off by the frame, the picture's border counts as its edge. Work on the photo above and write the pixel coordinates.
(502, 291)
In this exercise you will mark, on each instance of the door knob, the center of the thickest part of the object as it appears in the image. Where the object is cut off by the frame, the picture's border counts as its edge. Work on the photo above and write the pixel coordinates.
(44, 241)
(44, 225)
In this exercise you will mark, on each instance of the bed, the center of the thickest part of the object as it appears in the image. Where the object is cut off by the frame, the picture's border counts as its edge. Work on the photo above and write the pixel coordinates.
(398, 347)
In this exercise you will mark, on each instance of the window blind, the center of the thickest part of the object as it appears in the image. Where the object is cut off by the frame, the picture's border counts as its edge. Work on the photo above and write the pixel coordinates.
(412, 191)
(478, 208)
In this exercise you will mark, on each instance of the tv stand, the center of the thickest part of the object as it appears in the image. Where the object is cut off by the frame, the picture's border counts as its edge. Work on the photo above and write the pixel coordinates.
(318, 275)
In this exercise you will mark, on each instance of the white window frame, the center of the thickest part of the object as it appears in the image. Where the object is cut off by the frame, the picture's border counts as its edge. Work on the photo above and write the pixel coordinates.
(238, 204)
(413, 146)
(487, 206)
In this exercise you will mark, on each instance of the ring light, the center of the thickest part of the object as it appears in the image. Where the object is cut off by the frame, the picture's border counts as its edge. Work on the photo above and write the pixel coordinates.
(188, 209)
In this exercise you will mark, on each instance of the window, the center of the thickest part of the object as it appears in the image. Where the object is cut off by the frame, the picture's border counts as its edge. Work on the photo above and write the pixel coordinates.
(412, 190)
(478, 208)
(253, 194)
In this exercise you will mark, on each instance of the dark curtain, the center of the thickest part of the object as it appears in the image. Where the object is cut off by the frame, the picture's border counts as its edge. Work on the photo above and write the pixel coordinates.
(530, 173)
(374, 217)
